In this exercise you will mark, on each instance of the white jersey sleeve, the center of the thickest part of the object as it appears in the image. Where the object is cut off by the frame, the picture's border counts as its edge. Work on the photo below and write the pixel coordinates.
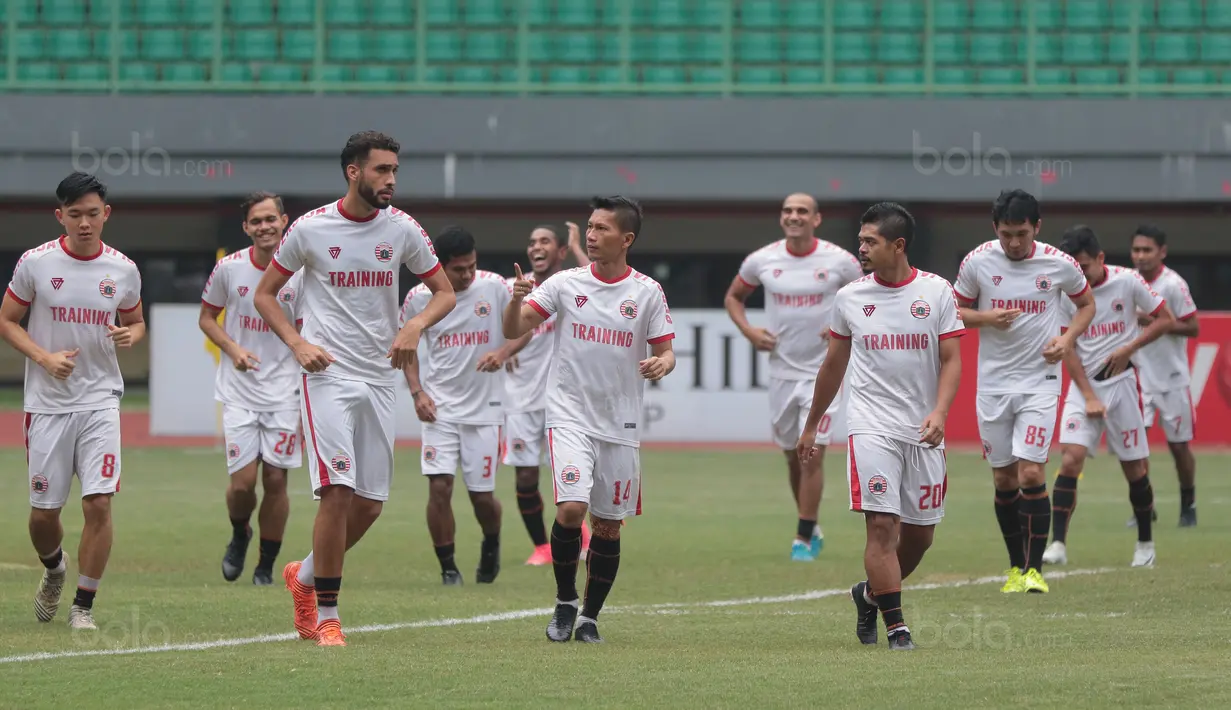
(750, 269)
(660, 328)
(526, 385)
(1164, 363)
(1144, 298)
(216, 288)
(544, 296)
(420, 255)
(21, 287)
(290, 255)
(967, 284)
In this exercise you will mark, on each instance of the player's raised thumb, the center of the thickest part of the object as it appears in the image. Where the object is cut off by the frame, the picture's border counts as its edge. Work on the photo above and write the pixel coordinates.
(72, 353)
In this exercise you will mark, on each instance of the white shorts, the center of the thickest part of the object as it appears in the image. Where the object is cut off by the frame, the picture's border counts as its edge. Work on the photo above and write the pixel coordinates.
(1123, 422)
(1176, 413)
(790, 402)
(475, 447)
(601, 474)
(893, 476)
(271, 436)
(523, 444)
(1016, 427)
(59, 446)
(349, 427)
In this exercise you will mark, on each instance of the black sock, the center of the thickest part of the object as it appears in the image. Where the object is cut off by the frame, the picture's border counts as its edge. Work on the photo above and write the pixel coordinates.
(269, 553)
(1141, 495)
(530, 503)
(239, 529)
(490, 543)
(602, 563)
(890, 604)
(444, 553)
(54, 560)
(565, 553)
(1188, 498)
(805, 529)
(327, 589)
(1063, 502)
(1011, 527)
(85, 598)
(1034, 512)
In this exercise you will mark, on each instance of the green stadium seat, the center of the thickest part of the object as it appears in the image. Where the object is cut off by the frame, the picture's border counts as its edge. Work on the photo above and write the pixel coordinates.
(474, 75)
(1218, 14)
(667, 13)
(1048, 14)
(805, 14)
(236, 72)
(1084, 49)
(393, 13)
(85, 71)
(485, 47)
(995, 15)
(951, 76)
(1120, 48)
(901, 15)
(611, 75)
(1086, 14)
(708, 47)
(38, 71)
(1226, 77)
(1216, 48)
(577, 48)
(441, 12)
(255, 45)
(759, 13)
(296, 12)
(1123, 12)
(539, 47)
(663, 75)
(343, 13)
(393, 46)
(138, 71)
(300, 45)
(1153, 75)
(202, 12)
(539, 12)
(183, 72)
(610, 47)
(805, 75)
(711, 13)
(486, 13)
(1175, 49)
(854, 15)
(949, 49)
(707, 75)
(280, 73)
(1096, 76)
(347, 45)
(903, 76)
(335, 73)
(899, 48)
(1179, 14)
(1046, 48)
(378, 74)
(1001, 75)
(251, 12)
(1193, 75)
(69, 44)
(760, 76)
(668, 48)
(27, 12)
(444, 47)
(63, 12)
(158, 12)
(757, 48)
(805, 47)
(855, 75)
(30, 44)
(162, 45)
(580, 13)
(990, 48)
(568, 75)
(1052, 76)
(201, 45)
(430, 75)
(852, 48)
(951, 15)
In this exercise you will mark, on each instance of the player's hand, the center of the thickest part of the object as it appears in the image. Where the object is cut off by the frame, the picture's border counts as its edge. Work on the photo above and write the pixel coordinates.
(245, 360)
(653, 368)
(1144, 319)
(806, 448)
(1002, 318)
(932, 432)
(491, 362)
(1056, 349)
(1095, 409)
(311, 357)
(761, 339)
(1119, 361)
(511, 364)
(425, 408)
(404, 346)
(574, 237)
(521, 285)
(122, 336)
(60, 365)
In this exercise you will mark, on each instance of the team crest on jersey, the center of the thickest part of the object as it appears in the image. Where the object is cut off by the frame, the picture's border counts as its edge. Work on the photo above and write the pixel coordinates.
(628, 309)
(1117, 306)
(518, 445)
(243, 291)
(821, 274)
(869, 310)
(777, 273)
(384, 252)
(482, 309)
(570, 474)
(56, 283)
(107, 288)
(920, 309)
(996, 280)
(340, 463)
(1043, 283)
(334, 251)
(1073, 423)
(286, 295)
(233, 452)
(38, 483)
(878, 485)
(429, 453)
(580, 300)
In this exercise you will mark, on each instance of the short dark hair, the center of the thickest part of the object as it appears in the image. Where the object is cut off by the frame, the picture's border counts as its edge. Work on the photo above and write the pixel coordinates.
(561, 239)
(1080, 239)
(1015, 207)
(892, 220)
(78, 185)
(255, 198)
(451, 242)
(1153, 231)
(627, 211)
(359, 146)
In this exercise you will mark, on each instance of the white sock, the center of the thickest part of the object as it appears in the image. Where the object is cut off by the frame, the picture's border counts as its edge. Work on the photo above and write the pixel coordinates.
(868, 597)
(816, 531)
(87, 583)
(326, 612)
(307, 572)
(62, 566)
(575, 603)
(583, 619)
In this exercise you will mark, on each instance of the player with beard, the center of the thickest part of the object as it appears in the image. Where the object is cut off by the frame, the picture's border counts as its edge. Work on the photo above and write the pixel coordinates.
(526, 390)
(351, 351)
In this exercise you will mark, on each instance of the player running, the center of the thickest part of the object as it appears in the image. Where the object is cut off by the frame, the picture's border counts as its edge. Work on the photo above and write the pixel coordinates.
(1163, 364)
(526, 390)
(898, 331)
(800, 274)
(1012, 287)
(1104, 394)
(258, 389)
(606, 315)
(351, 351)
(84, 301)
(458, 396)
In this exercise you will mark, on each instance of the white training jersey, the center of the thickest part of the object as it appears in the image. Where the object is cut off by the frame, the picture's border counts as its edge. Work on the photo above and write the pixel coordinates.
(449, 351)
(1164, 363)
(602, 332)
(349, 289)
(72, 300)
(526, 385)
(1117, 298)
(799, 292)
(274, 385)
(895, 332)
(1011, 361)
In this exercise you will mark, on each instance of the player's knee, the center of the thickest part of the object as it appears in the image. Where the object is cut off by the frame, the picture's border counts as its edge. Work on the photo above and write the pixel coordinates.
(1030, 473)
(882, 530)
(96, 508)
(482, 499)
(365, 511)
(42, 517)
(273, 480)
(527, 477)
(1134, 470)
(571, 513)
(1006, 477)
(605, 529)
(1071, 460)
(440, 489)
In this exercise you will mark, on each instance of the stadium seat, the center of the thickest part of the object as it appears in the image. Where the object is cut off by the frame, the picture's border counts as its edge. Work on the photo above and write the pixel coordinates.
(1179, 14)
(127, 48)
(759, 13)
(901, 15)
(162, 45)
(1193, 75)
(760, 76)
(994, 15)
(1001, 75)
(335, 73)
(663, 75)
(540, 47)
(757, 48)
(280, 73)
(87, 71)
(348, 45)
(805, 47)
(1174, 49)
(611, 75)
(30, 44)
(1123, 12)
(805, 14)
(568, 75)
(1048, 14)
(666, 13)
(1096, 76)
(201, 45)
(577, 48)
(27, 12)
(69, 44)
(1052, 76)
(63, 12)
(952, 76)
(255, 45)
(903, 76)
(300, 45)
(392, 46)
(342, 13)
(708, 47)
(854, 15)
(805, 75)
(538, 12)
(158, 12)
(1085, 14)
(378, 74)
(898, 48)
(38, 71)
(1046, 48)
(1084, 49)
(251, 12)
(444, 47)
(855, 75)
(183, 72)
(990, 48)
(441, 12)
(1153, 75)
(474, 75)
(1216, 48)
(583, 13)
(296, 12)
(430, 75)
(852, 48)
(668, 48)
(711, 13)
(236, 72)
(485, 13)
(485, 47)
(1120, 48)
(138, 71)
(949, 49)
(1218, 14)
(387, 13)
(707, 75)
(201, 12)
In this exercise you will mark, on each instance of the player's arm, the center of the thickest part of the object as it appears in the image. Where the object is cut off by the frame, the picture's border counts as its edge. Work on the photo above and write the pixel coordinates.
(574, 244)
(829, 379)
(521, 318)
(736, 304)
(266, 301)
(131, 328)
(12, 311)
(661, 361)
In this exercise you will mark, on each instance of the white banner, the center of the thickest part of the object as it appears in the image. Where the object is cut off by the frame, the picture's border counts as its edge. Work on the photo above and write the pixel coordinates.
(716, 394)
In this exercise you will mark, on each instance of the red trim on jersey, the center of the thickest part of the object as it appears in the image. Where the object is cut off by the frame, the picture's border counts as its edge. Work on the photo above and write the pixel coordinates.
(26, 436)
(1079, 294)
(342, 211)
(1190, 316)
(538, 309)
(1150, 281)
(962, 297)
(430, 271)
(64, 246)
(839, 336)
(299, 323)
(551, 460)
(207, 303)
(1192, 410)
(280, 267)
(628, 271)
(914, 273)
(320, 462)
(745, 282)
(500, 448)
(17, 298)
(130, 310)
(1158, 310)
(1141, 401)
(1106, 273)
(252, 258)
(638, 498)
(953, 334)
(856, 486)
(661, 339)
(815, 243)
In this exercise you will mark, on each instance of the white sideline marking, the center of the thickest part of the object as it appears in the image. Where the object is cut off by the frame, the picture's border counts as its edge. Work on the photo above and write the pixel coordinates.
(510, 616)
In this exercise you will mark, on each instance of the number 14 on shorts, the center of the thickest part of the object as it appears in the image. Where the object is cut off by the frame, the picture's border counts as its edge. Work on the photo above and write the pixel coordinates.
(627, 486)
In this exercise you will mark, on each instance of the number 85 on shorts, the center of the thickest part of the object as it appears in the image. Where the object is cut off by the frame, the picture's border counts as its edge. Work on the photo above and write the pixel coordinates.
(897, 477)
(604, 475)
